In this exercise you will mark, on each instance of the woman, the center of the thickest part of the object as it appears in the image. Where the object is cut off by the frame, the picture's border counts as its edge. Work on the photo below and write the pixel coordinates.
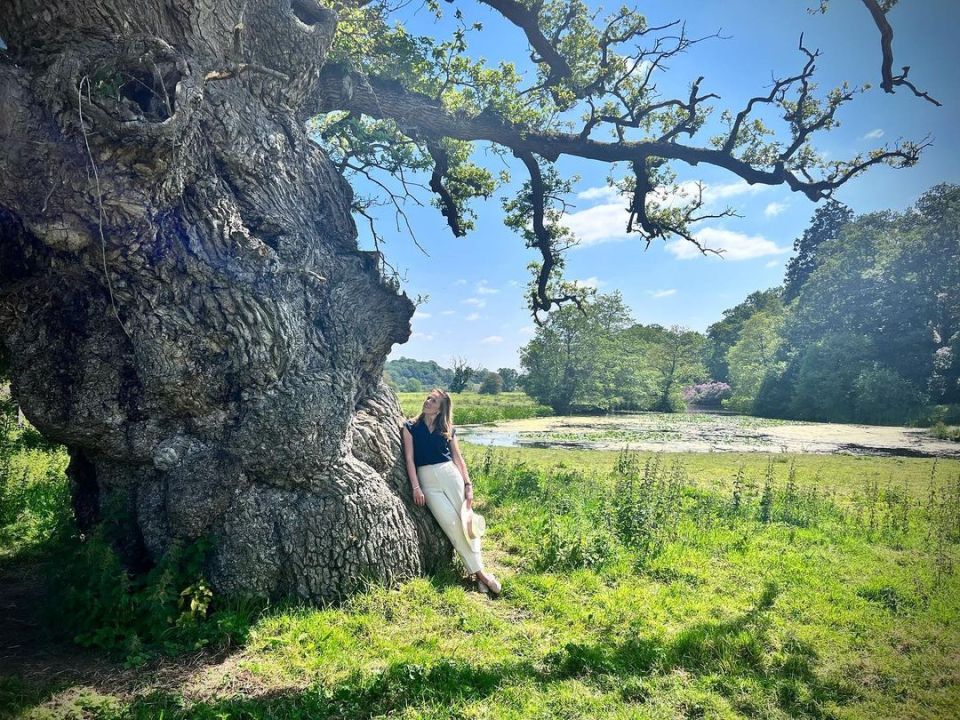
(439, 478)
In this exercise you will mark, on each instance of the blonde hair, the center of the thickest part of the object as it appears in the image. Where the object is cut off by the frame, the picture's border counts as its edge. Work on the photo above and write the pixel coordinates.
(444, 422)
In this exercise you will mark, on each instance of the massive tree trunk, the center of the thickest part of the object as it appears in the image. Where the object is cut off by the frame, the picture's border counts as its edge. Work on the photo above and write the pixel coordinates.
(182, 300)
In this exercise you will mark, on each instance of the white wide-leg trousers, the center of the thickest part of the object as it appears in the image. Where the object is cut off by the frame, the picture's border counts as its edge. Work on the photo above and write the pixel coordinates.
(442, 487)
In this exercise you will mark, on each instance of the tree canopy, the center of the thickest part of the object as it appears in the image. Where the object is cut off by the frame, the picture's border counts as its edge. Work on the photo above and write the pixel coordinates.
(872, 333)
(598, 359)
(391, 102)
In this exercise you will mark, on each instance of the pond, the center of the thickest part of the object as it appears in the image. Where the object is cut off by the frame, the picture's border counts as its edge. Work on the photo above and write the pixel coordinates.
(704, 432)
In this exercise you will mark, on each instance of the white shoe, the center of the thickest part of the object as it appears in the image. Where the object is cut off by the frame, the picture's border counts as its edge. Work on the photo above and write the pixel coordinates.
(489, 584)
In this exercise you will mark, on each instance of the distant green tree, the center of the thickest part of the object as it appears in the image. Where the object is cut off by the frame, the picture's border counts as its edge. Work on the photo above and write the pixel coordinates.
(413, 385)
(573, 354)
(882, 396)
(509, 377)
(723, 334)
(880, 308)
(428, 372)
(826, 373)
(676, 358)
(492, 384)
(936, 261)
(753, 357)
(462, 372)
(827, 222)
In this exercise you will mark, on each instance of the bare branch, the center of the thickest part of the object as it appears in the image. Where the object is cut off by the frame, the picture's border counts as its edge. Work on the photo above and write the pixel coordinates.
(448, 206)
(777, 91)
(527, 20)
(394, 199)
(890, 80)
(664, 224)
(540, 298)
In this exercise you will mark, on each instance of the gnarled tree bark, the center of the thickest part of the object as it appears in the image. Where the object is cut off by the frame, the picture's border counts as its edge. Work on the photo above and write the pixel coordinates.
(182, 300)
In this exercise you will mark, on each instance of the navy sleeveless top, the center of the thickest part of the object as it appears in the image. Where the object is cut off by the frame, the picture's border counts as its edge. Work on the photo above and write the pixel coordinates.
(428, 448)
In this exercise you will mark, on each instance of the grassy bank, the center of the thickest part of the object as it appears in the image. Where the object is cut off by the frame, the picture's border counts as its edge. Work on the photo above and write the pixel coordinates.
(472, 408)
(636, 586)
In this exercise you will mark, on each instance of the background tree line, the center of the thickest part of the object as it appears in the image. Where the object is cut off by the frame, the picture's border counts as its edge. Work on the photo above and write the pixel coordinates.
(408, 375)
(600, 359)
(865, 328)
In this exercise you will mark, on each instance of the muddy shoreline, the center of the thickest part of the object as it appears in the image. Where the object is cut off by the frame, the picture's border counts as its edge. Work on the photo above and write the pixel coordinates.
(703, 433)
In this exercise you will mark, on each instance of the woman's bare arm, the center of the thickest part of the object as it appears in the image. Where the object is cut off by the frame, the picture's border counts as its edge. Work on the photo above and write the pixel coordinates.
(411, 468)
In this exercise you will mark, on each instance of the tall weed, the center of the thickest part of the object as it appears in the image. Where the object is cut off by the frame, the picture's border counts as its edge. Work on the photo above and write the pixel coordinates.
(169, 609)
(34, 495)
(646, 502)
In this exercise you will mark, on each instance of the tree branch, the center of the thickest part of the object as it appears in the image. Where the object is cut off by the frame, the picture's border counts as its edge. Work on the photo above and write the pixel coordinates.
(540, 298)
(448, 206)
(527, 20)
(426, 117)
(890, 80)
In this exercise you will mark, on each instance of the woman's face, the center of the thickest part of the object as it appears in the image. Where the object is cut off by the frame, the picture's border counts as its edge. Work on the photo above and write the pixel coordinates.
(431, 406)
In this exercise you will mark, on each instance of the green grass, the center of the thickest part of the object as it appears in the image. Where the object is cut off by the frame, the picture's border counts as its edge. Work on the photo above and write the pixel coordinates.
(844, 476)
(636, 586)
(34, 497)
(473, 408)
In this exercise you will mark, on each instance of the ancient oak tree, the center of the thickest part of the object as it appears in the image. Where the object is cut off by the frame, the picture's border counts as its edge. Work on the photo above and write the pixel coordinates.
(182, 299)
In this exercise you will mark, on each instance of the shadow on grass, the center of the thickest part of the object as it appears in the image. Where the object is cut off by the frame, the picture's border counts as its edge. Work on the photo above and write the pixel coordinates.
(443, 686)
(726, 656)
(731, 654)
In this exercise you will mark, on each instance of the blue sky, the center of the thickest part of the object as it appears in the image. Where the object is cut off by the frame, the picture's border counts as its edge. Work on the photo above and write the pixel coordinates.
(476, 309)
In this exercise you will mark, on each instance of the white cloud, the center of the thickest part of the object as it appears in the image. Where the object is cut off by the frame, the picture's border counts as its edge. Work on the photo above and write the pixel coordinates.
(422, 315)
(608, 221)
(448, 312)
(604, 192)
(773, 264)
(594, 283)
(513, 283)
(527, 330)
(874, 134)
(421, 336)
(485, 289)
(712, 193)
(491, 340)
(598, 224)
(476, 302)
(473, 316)
(461, 281)
(736, 246)
(662, 293)
(775, 208)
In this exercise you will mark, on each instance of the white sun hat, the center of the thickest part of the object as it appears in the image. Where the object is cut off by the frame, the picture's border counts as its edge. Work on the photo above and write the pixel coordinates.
(474, 526)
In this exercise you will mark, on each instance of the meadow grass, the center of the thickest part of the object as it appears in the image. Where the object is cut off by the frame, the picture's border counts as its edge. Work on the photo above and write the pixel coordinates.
(843, 476)
(636, 586)
(471, 408)
(34, 497)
